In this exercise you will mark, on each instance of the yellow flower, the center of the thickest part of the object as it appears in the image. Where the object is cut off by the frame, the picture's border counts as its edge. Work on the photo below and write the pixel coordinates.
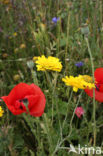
(87, 78)
(15, 34)
(35, 58)
(22, 46)
(1, 111)
(79, 82)
(50, 63)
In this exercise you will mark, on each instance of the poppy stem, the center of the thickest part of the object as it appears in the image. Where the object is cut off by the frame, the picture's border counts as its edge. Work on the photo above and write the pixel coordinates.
(67, 109)
(34, 77)
(67, 40)
(94, 104)
(55, 101)
(60, 142)
(47, 126)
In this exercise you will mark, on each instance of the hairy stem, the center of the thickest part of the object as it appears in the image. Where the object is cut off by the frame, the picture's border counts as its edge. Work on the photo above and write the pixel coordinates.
(94, 104)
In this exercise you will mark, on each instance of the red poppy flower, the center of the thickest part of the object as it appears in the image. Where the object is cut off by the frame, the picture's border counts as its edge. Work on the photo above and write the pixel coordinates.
(98, 74)
(22, 93)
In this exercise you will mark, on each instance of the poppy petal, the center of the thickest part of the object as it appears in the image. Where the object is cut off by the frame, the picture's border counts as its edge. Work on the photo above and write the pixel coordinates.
(98, 95)
(5, 99)
(35, 89)
(13, 108)
(19, 92)
(36, 104)
(16, 111)
(98, 74)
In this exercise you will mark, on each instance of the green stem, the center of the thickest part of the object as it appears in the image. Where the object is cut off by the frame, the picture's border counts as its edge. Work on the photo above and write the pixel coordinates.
(67, 109)
(58, 36)
(29, 120)
(94, 104)
(53, 94)
(55, 100)
(59, 143)
(49, 81)
(34, 77)
(66, 50)
(52, 88)
(48, 132)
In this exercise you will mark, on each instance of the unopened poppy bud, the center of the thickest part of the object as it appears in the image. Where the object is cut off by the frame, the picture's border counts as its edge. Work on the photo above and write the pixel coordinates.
(30, 64)
(85, 29)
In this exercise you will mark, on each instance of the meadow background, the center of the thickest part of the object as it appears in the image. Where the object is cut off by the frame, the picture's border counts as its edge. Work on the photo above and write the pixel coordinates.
(27, 30)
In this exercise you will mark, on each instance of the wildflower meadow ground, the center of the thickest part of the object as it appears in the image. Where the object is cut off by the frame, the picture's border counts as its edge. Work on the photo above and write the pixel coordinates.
(51, 77)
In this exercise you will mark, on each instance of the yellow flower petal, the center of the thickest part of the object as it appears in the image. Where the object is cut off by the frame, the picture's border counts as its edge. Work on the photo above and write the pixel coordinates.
(1, 111)
(79, 82)
(75, 89)
(50, 63)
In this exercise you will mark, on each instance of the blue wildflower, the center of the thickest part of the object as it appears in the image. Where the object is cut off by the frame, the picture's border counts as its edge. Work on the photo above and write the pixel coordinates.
(79, 64)
(55, 19)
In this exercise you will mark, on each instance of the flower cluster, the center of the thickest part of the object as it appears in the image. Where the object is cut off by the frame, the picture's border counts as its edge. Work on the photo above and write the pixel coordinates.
(79, 82)
(50, 63)
(79, 64)
(25, 98)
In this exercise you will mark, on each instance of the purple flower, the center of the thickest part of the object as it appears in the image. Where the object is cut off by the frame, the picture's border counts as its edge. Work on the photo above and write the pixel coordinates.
(79, 64)
(55, 19)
